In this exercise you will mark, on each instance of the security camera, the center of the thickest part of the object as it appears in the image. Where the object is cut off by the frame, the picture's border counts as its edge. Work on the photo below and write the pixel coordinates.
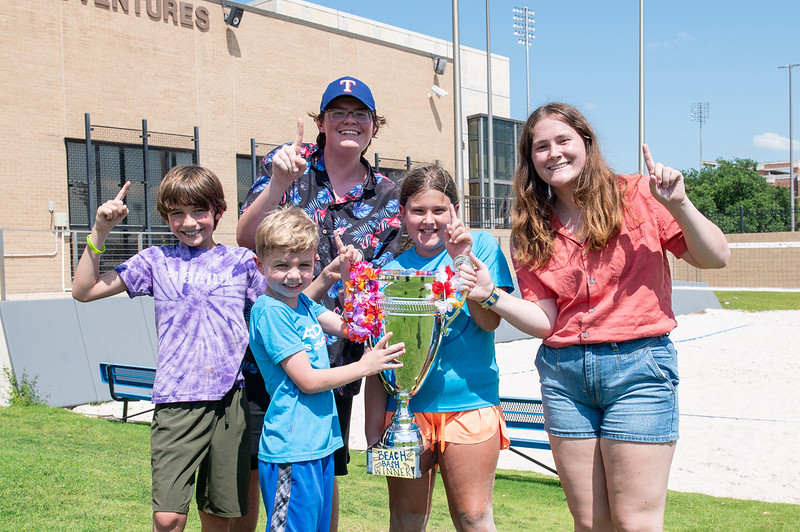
(439, 65)
(438, 91)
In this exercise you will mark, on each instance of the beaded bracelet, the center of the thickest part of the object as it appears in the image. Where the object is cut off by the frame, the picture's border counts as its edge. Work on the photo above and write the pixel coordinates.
(492, 299)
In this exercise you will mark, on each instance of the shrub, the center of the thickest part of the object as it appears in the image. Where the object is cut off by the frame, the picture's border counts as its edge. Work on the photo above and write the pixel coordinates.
(23, 390)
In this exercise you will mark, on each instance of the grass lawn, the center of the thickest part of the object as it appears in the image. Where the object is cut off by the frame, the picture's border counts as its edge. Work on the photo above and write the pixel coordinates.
(754, 301)
(63, 471)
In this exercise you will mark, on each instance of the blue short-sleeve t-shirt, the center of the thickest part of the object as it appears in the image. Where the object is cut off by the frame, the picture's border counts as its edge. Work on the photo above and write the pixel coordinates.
(297, 426)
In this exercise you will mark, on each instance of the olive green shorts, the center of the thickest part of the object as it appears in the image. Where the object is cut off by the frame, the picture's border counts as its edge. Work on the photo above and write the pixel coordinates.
(211, 438)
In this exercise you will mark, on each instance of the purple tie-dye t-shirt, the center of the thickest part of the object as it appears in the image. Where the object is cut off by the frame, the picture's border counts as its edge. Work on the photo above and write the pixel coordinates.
(200, 296)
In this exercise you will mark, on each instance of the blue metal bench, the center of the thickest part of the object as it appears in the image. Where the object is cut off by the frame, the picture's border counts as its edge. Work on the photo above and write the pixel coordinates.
(526, 414)
(128, 383)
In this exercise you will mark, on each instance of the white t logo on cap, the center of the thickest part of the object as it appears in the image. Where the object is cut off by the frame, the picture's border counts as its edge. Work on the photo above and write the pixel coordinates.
(347, 83)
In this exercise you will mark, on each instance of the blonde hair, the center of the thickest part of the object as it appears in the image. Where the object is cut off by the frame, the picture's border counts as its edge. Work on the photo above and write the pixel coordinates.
(288, 228)
(190, 184)
(597, 191)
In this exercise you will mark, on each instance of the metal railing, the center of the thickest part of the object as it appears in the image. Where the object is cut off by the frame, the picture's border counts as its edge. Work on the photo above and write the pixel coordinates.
(42, 261)
(485, 213)
(744, 220)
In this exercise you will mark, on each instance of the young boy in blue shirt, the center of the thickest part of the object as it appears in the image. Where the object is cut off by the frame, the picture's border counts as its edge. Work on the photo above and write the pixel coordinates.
(287, 337)
(201, 420)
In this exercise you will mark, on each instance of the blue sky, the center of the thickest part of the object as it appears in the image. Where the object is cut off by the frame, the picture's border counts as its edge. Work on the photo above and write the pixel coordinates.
(586, 53)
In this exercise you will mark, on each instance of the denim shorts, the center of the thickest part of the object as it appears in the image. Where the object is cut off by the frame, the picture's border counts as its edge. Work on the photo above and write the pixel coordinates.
(618, 390)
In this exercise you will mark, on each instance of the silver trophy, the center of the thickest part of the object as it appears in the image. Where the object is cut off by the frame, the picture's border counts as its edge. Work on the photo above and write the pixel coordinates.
(419, 319)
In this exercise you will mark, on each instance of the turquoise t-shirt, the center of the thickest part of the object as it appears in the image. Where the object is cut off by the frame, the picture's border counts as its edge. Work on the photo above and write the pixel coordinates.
(464, 375)
(297, 426)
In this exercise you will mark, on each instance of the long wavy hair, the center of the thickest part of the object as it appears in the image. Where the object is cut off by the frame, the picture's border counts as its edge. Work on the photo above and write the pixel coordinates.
(596, 191)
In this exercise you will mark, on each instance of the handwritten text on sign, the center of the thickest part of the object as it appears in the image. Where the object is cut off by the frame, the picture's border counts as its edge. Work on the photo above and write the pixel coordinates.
(395, 463)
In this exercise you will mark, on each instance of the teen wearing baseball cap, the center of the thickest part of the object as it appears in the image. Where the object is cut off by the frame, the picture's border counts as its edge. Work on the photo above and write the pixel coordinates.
(336, 186)
(347, 86)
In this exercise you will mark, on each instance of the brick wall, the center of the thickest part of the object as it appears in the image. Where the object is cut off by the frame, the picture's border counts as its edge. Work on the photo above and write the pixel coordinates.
(64, 58)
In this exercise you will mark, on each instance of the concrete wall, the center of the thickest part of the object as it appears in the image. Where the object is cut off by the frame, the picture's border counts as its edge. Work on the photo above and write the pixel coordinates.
(752, 265)
(61, 342)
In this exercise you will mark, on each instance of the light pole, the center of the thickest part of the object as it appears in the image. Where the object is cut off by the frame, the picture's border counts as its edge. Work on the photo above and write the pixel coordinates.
(459, 141)
(489, 116)
(641, 87)
(791, 147)
(698, 112)
(523, 30)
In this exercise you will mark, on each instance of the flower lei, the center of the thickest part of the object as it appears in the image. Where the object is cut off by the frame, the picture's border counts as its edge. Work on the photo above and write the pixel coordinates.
(362, 315)
(444, 290)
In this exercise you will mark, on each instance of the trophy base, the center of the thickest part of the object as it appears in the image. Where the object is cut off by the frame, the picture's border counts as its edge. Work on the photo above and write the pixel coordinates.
(402, 462)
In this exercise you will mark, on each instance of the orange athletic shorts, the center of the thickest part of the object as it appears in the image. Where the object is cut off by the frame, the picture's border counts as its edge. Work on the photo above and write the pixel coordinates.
(468, 426)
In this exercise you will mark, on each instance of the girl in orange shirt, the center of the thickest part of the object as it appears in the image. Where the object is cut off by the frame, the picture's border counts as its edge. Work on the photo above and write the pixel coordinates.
(589, 247)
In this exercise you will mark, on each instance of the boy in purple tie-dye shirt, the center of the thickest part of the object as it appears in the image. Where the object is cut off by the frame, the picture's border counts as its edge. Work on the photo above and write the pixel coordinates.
(201, 421)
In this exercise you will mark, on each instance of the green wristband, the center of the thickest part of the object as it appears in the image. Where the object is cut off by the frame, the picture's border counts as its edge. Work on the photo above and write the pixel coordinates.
(91, 246)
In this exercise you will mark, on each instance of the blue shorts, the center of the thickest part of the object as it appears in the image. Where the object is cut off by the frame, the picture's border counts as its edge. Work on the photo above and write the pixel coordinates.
(297, 496)
(617, 390)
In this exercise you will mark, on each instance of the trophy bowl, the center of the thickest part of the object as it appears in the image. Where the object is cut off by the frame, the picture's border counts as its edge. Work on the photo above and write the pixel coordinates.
(413, 319)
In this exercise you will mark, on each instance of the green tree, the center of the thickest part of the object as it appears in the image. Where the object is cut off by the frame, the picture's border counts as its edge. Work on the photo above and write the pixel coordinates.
(736, 197)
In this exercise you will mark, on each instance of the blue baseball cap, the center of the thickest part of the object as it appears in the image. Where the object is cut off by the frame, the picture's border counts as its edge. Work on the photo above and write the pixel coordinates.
(347, 86)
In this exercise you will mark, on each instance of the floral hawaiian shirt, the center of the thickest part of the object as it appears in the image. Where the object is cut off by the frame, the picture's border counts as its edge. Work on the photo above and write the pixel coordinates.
(367, 217)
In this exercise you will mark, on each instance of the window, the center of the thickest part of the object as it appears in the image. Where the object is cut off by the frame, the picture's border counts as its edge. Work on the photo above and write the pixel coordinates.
(244, 177)
(484, 213)
(114, 164)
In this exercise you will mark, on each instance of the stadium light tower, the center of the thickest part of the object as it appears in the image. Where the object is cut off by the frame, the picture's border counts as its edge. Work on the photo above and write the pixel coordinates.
(523, 30)
(699, 113)
(791, 148)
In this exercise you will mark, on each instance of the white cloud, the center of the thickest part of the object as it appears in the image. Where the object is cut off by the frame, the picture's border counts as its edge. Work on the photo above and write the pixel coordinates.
(680, 38)
(773, 142)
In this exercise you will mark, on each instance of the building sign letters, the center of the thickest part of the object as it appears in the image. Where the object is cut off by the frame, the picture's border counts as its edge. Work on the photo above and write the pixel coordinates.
(183, 13)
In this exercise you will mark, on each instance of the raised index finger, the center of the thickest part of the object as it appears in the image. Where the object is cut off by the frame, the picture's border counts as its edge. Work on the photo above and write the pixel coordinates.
(453, 213)
(298, 137)
(648, 159)
(338, 241)
(123, 191)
